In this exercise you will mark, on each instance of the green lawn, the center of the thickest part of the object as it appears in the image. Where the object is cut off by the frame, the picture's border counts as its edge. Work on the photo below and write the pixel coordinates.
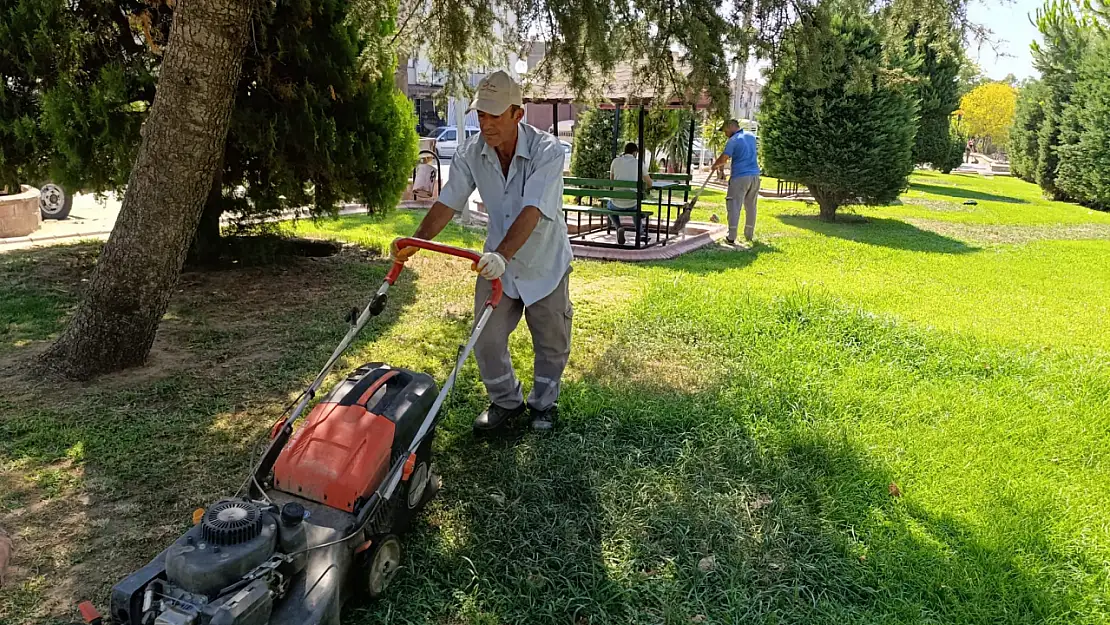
(733, 421)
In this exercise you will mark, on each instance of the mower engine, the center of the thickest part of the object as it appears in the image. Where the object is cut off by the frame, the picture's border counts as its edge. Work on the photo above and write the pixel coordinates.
(223, 557)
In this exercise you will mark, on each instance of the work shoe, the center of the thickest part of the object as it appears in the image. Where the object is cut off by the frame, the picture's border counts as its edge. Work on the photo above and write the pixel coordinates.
(620, 236)
(544, 420)
(495, 416)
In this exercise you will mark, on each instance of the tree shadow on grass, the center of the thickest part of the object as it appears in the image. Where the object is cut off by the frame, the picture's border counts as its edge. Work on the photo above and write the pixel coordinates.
(655, 503)
(966, 194)
(883, 232)
(96, 478)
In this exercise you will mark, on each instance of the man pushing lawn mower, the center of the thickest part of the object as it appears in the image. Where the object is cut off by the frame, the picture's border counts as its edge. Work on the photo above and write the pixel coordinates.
(316, 521)
(518, 170)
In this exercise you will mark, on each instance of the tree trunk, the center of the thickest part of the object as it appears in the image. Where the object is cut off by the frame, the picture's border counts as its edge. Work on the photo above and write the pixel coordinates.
(183, 140)
(827, 201)
(5, 554)
(207, 242)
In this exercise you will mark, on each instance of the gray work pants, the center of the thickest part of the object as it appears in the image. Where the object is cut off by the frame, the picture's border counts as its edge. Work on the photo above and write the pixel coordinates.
(743, 191)
(549, 321)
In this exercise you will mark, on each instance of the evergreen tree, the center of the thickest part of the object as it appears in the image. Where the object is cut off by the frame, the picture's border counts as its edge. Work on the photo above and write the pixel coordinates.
(593, 145)
(309, 127)
(837, 115)
(1024, 135)
(34, 40)
(114, 326)
(934, 51)
(1084, 154)
(1066, 34)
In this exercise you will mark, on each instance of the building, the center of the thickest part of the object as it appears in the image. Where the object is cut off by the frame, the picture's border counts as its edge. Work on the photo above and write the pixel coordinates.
(746, 103)
(423, 84)
(542, 115)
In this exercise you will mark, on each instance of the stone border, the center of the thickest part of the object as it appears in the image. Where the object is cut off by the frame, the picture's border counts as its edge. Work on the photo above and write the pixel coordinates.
(19, 212)
(706, 234)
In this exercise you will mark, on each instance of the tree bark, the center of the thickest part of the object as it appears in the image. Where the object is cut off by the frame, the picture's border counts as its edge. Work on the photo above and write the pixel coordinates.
(207, 242)
(183, 140)
(827, 201)
(5, 554)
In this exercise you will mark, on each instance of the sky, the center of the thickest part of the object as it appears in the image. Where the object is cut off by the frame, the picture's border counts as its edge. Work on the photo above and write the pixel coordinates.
(1009, 21)
(1012, 32)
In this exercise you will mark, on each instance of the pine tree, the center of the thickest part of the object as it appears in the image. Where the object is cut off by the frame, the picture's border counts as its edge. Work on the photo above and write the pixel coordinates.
(310, 128)
(1024, 135)
(837, 116)
(935, 59)
(593, 145)
(1066, 34)
(1084, 154)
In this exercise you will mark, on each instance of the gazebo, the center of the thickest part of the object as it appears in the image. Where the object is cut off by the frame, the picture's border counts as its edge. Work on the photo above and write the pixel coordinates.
(622, 92)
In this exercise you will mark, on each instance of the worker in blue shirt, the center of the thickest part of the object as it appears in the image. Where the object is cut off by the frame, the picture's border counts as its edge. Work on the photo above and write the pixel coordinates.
(743, 186)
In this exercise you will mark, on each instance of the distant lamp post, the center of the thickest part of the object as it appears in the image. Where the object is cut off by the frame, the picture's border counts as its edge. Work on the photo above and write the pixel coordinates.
(521, 66)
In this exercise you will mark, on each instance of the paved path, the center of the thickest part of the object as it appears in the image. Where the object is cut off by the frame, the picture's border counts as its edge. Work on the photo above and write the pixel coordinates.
(94, 219)
(89, 219)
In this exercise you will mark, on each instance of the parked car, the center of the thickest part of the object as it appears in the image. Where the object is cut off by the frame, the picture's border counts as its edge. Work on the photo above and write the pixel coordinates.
(447, 140)
(566, 155)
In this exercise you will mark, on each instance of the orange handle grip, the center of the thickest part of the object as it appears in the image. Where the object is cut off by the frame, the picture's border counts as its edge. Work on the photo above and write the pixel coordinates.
(89, 613)
(471, 255)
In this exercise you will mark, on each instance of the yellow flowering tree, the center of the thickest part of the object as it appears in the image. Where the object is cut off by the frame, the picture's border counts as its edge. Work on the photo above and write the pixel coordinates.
(988, 112)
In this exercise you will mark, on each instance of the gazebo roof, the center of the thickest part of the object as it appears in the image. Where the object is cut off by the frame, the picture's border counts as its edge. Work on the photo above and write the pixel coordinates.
(621, 87)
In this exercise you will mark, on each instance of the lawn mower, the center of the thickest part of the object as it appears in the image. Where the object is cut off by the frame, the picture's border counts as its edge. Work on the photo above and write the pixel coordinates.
(316, 521)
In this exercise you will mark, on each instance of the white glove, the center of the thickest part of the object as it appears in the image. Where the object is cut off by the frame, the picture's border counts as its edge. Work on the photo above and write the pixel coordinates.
(491, 265)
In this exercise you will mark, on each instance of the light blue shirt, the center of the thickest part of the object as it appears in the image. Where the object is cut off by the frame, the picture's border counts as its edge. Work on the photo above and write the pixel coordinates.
(535, 179)
(741, 148)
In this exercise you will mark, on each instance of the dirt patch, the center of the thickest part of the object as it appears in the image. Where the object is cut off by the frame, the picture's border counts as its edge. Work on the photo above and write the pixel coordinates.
(663, 366)
(937, 205)
(96, 477)
(217, 320)
(992, 233)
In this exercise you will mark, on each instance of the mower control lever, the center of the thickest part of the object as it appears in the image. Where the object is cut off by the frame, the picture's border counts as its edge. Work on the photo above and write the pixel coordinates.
(472, 256)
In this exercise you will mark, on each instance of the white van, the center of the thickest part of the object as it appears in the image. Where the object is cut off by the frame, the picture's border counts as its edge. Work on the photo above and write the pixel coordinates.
(447, 140)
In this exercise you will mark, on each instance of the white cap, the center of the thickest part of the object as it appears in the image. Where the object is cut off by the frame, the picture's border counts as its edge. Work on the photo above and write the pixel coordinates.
(496, 93)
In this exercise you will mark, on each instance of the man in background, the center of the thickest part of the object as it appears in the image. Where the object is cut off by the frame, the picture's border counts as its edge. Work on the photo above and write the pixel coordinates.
(743, 186)
(625, 167)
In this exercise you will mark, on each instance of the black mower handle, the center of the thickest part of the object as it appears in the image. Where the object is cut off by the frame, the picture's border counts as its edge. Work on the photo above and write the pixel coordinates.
(471, 255)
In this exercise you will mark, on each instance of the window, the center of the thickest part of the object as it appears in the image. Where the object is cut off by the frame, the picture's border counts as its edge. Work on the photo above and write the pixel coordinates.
(470, 132)
(448, 135)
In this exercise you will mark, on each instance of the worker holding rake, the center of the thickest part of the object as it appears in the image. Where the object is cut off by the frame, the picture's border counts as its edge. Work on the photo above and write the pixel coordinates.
(518, 170)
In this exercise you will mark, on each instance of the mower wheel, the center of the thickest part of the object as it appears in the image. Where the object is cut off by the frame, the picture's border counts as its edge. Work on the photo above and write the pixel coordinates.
(419, 485)
(382, 563)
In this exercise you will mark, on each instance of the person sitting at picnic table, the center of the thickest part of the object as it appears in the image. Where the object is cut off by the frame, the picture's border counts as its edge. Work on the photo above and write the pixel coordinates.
(625, 167)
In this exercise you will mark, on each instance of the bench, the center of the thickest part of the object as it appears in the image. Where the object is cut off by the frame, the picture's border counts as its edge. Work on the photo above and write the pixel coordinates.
(604, 189)
(599, 189)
